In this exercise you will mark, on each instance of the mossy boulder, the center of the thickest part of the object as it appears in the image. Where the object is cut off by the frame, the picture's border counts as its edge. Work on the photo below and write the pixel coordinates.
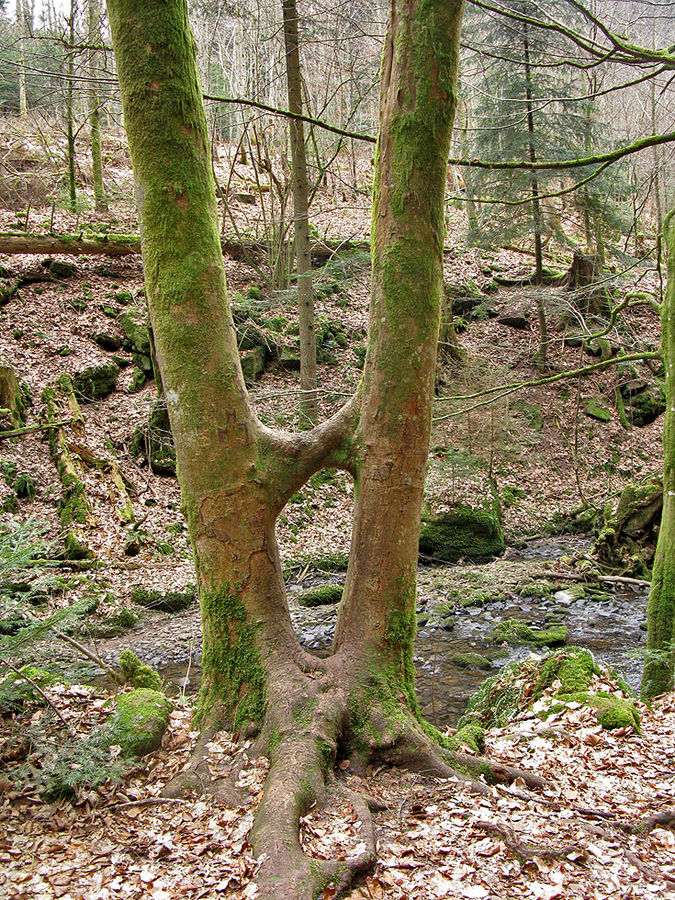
(169, 601)
(95, 382)
(611, 712)
(138, 673)
(462, 533)
(472, 736)
(513, 631)
(321, 595)
(107, 341)
(253, 364)
(595, 410)
(627, 540)
(644, 407)
(60, 268)
(74, 548)
(562, 677)
(138, 724)
(470, 661)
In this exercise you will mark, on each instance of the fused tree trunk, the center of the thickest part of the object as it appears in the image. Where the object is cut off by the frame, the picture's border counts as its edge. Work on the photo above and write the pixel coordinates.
(94, 101)
(303, 255)
(236, 475)
(660, 662)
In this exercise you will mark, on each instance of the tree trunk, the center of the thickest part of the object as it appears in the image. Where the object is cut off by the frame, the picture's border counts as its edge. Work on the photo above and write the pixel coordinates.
(70, 103)
(21, 22)
(236, 475)
(100, 199)
(541, 355)
(308, 382)
(660, 662)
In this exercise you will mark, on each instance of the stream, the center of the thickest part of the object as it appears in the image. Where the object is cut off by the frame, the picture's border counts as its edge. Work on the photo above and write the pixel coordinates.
(611, 627)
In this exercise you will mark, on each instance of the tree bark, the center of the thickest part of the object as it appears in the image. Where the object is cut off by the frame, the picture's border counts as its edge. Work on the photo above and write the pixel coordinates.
(308, 381)
(660, 662)
(236, 475)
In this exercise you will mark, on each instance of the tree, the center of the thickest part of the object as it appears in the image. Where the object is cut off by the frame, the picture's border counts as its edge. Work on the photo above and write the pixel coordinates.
(303, 255)
(94, 101)
(660, 662)
(236, 475)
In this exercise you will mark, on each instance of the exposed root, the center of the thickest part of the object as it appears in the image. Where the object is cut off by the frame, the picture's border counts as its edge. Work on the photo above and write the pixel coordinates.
(525, 849)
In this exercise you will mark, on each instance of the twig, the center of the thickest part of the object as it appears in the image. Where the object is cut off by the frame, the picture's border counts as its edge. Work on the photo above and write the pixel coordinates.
(93, 656)
(37, 688)
(16, 432)
(148, 801)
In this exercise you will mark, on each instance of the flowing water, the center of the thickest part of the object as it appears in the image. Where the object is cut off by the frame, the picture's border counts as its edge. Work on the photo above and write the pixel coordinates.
(612, 628)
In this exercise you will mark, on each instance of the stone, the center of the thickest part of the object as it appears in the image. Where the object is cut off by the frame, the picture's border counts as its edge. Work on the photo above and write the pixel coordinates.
(95, 382)
(169, 601)
(463, 532)
(289, 359)
(61, 269)
(253, 364)
(517, 317)
(107, 341)
(595, 410)
(138, 724)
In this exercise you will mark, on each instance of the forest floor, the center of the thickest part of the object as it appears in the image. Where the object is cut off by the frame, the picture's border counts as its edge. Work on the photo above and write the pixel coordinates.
(545, 456)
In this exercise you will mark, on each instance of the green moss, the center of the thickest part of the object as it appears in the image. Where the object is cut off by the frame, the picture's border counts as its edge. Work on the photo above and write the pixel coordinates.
(140, 719)
(74, 548)
(167, 601)
(464, 532)
(470, 661)
(138, 673)
(95, 382)
(472, 736)
(321, 595)
(595, 410)
(516, 632)
(234, 678)
(611, 712)
(24, 487)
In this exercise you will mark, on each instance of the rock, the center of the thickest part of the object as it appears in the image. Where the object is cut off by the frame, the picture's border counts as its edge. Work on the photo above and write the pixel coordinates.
(154, 442)
(321, 595)
(514, 631)
(628, 539)
(107, 341)
(463, 532)
(517, 317)
(633, 387)
(644, 407)
(139, 722)
(253, 364)
(470, 661)
(60, 269)
(95, 382)
(519, 685)
(74, 548)
(595, 410)
(170, 602)
(289, 358)
(136, 334)
(138, 381)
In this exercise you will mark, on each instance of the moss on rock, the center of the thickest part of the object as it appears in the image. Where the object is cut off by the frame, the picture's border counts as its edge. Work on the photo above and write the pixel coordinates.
(463, 532)
(470, 661)
(611, 712)
(95, 382)
(138, 724)
(321, 595)
(169, 601)
(513, 631)
(138, 673)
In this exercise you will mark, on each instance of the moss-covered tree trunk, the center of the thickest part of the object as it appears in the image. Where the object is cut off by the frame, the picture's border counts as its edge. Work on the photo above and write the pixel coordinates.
(660, 663)
(303, 254)
(236, 475)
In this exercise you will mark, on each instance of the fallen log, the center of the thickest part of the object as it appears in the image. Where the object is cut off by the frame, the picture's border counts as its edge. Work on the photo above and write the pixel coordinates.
(12, 243)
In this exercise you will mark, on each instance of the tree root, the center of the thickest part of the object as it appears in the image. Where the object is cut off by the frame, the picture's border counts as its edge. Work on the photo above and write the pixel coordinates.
(197, 779)
(525, 849)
